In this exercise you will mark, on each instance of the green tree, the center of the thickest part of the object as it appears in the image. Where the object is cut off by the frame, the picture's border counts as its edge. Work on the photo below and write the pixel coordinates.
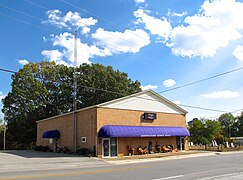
(106, 78)
(204, 130)
(41, 90)
(237, 129)
(36, 93)
(227, 120)
(197, 131)
(213, 130)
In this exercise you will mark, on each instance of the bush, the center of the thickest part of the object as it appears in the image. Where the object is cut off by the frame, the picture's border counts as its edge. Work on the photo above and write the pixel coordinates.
(64, 149)
(84, 152)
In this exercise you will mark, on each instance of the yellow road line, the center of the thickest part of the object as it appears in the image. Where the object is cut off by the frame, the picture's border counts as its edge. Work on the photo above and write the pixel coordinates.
(74, 173)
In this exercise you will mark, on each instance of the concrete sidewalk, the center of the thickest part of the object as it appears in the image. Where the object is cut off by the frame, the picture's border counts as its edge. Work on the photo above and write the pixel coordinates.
(163, 156)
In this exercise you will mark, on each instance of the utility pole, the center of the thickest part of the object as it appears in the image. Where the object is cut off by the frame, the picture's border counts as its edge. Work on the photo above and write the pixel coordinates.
(75, 93)
(4, 132)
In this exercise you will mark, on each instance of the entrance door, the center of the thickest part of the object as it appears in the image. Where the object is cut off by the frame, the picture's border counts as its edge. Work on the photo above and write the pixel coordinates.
(106, 147)
(180, 143)
(109, 147)
(183, 143)
(113, 144)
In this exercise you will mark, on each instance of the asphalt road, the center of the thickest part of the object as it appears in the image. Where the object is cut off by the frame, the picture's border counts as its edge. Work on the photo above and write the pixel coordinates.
(214, 166)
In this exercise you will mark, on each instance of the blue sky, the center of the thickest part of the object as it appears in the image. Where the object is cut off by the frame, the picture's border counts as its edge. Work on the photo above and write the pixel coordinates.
(163, 44)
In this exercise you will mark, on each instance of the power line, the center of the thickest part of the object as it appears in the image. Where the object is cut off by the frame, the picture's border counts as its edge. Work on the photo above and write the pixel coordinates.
(98, 89)
(43, 7)
(202, 108)
(118, 37)
(241, 109)
(6, 70)
(30, 24)
(109, 22)
(90, 13)
(188, 84)
(99, 17)
(53, 31)
(107, 44)
(15, 10)
(195, 82)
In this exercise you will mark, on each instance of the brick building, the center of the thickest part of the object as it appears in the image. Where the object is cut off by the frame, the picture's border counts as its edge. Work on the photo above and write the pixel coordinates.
(108, 129)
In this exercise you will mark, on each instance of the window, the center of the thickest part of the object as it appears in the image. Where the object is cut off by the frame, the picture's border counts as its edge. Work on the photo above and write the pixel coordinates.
(83, 139)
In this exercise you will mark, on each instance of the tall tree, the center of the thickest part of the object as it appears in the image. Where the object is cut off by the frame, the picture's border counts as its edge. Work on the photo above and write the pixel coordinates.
(237, 130)
(41, 90)
(37, 92)
(227, 120)
(197, 131)
(213, 130)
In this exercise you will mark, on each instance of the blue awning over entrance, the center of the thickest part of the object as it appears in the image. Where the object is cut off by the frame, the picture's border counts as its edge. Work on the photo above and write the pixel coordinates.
(51, 134)
(141, 131)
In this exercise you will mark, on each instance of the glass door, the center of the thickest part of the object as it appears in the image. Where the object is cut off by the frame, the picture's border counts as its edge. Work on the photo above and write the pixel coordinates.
(183, 143)
(106, 147)
(180, 143)
(113, 145)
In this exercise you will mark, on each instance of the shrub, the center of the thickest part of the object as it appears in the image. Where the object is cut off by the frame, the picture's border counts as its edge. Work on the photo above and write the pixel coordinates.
(84, 152)
(64, 149)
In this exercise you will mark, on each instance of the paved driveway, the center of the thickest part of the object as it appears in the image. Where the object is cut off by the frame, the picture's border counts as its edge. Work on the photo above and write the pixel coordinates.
(30, 160)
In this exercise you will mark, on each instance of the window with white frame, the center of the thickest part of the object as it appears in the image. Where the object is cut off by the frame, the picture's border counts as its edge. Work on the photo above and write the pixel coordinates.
(83, 139)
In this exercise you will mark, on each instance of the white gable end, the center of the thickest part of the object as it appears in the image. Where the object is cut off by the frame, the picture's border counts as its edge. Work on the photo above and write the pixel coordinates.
(146, 101)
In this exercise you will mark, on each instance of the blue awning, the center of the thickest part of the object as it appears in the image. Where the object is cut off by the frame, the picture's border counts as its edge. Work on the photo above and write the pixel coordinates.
(51, 134)
(141, 131)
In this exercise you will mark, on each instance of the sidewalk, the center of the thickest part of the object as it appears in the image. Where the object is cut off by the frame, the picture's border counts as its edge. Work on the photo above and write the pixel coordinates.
(162, 156)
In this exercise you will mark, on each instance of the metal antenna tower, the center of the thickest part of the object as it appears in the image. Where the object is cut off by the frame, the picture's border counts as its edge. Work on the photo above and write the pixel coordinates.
(75, 93)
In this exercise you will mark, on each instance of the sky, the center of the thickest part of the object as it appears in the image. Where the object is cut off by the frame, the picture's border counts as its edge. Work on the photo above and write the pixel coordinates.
(163, 44)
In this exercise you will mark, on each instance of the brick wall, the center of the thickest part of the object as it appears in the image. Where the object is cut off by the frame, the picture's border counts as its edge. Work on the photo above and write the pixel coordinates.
(90, 120)
(86, 127)
(62, 123)
(108, 116)
(133, 118)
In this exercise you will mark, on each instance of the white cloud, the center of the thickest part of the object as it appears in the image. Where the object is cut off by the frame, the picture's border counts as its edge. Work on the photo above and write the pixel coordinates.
(179, 14)
(108, 43)
(54, 55)
(221, 95)
(71, 19)
(139, 1)
(238, 52)
(160, 27)
(169, 83)
(121, 42)
(66, 56)
(2, 96)
(23, 61)
(215, 25)
(148, 87)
